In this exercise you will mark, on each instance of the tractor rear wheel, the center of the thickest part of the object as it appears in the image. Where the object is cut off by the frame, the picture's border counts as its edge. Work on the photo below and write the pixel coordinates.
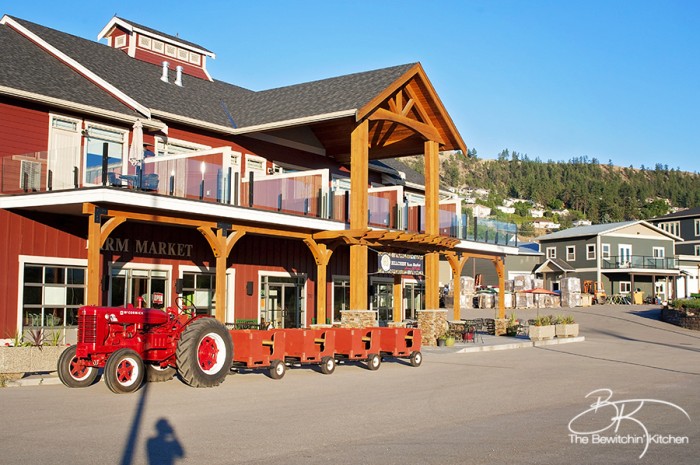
(73, 372)
(158, 374)
(124, 371)
(204, 353)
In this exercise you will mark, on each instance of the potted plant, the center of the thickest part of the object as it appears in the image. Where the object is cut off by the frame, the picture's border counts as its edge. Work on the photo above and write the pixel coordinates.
(565, 326)
(541, 329)
(449, 339)
(512, 326)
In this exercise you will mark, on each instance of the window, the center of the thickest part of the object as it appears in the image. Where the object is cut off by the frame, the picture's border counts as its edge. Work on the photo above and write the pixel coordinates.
(128, 284)
(52, 295)
(183, 54)
(570, 253)
(120, 41)
(606, 251)
(551, 252)
(30, 177)
(144, 42)
(198, 289)
(255, 165)
(625, 254)
(170, 50)
(195, 58)
(590, 251)
(177, 147)
(673, 227)
(97, 136)
(697, 227)
(697, 250)
(625, 287)
(341, 297)
(658, 252)
(158, 46)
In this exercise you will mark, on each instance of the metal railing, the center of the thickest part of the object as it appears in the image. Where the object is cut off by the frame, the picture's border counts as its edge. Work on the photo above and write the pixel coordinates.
(640, 261)
(211, 176)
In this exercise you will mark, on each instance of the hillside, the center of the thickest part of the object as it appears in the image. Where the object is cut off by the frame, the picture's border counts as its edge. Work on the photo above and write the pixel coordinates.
(588, 189)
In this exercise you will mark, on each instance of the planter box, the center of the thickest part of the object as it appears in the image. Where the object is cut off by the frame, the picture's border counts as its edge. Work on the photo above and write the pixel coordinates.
(570, 330)
(540, 333)
(29, 359)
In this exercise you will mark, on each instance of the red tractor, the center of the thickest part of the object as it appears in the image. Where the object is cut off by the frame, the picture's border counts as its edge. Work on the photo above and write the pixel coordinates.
(135, 343)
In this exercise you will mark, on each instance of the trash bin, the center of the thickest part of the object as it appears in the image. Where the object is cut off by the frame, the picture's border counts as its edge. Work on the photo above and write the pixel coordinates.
(638, 297)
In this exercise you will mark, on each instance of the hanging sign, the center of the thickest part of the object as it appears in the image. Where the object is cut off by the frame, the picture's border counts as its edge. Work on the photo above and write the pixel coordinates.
(396, 263)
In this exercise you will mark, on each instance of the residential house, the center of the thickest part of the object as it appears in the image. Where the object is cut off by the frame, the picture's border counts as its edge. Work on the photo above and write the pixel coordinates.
(622, 257)
(686, 224)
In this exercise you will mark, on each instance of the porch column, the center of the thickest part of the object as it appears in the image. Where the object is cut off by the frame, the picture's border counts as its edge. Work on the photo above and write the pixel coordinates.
(358, 315)
(500, 271)
(398, 298)
(432, 259)
(94, 256)
(457, 263)
(322, 256)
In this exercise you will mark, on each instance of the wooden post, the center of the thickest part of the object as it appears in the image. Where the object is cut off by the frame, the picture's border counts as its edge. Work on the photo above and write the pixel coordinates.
(322, 255)
(359, 161)
(432, 260)
(94, 256)
(457, 263)
(220, 293)
(500, 271)
(398, 298)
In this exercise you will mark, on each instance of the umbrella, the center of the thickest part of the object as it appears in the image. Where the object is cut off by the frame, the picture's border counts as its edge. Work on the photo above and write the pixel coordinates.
(136, 149)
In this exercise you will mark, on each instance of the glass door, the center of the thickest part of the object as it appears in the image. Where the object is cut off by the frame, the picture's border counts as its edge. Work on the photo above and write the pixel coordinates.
(383, 301)
(413, 299)
(128, 285)
(282, 301)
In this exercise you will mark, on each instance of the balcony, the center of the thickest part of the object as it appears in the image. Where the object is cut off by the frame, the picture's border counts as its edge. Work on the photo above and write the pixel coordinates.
(214, 175)
(639, 262)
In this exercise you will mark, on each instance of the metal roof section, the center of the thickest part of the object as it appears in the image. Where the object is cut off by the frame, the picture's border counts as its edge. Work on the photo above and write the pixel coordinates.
(688, 213)
(599, 229)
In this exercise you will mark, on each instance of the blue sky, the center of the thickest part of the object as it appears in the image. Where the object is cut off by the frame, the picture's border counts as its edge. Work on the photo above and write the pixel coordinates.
(612, 80)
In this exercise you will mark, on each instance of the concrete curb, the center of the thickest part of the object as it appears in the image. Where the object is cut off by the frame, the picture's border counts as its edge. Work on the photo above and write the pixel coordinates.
(520, 345)
(35, 380)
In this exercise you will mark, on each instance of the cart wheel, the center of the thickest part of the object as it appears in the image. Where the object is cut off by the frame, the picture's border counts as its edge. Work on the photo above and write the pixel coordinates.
(327, 365)
(277, 369)
(416, 359)
(373, 361)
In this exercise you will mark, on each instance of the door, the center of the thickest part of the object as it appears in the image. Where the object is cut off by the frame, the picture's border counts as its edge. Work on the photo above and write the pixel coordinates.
(625, 255)
(64, 153)
(660, 290)
(413, 299)
(128, 285)
(282, 301)
(383, 301)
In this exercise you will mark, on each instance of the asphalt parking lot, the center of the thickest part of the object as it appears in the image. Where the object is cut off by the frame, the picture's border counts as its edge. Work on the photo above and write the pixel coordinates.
(511, 406)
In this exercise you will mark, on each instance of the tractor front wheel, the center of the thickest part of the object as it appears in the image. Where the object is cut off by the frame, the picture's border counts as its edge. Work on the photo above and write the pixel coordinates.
(74, 372)
(204, 353)
(124, 371)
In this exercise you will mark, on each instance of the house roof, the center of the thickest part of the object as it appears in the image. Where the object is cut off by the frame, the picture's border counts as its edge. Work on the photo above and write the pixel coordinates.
(690, 212)
(598, 229)
(552, 263)
(171, 38)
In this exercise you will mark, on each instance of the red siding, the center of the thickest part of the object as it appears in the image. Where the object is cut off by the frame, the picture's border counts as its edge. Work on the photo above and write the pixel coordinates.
(23, 130)
(33, 234)
(157, 59)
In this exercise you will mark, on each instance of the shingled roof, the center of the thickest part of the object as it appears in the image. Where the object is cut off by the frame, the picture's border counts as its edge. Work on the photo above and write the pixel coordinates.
(197, 99)
(163, 34)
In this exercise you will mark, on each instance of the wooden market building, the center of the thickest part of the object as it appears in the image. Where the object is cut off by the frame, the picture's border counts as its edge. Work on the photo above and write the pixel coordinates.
(129, 173)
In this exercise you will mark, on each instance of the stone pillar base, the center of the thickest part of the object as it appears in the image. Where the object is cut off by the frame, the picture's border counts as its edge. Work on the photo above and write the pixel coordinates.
(358, 318)
(501, 325)
(432, 323)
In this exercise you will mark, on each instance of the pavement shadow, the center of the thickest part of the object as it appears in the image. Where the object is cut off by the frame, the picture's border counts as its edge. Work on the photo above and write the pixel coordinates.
(164, 448)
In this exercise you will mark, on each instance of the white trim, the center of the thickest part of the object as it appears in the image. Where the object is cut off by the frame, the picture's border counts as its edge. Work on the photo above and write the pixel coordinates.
(628, 284)
(335, 278)
(602, 251)
(79, 107)
(167, 299)
(553, 253)
(696, 224)
(656, 249)
(591, 248)
(77, 66)
(104, 127)
(296, 121)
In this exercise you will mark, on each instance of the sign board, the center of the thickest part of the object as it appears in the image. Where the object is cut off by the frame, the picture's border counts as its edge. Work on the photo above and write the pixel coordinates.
(396, 263)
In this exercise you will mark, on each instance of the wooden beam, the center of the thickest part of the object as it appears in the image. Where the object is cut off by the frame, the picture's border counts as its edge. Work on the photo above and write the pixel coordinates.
(221, 259)
(457, 262)
(425, 130)
(500, 271)
(322, 255)
(398, 298)
(432, 188)
(94, 259)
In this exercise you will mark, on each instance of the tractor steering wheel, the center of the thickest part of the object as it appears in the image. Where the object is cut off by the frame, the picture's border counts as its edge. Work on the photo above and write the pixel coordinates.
(189, 310)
